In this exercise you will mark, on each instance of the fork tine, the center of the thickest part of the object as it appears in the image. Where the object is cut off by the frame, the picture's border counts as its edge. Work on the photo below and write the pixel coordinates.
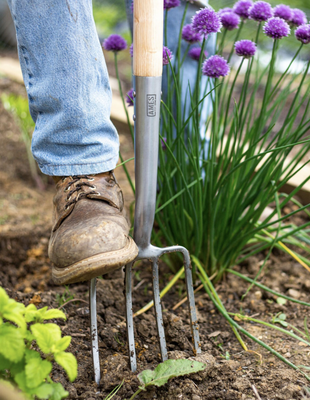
(129, 318)
(191, 303)
(158, 313)
(93, 329)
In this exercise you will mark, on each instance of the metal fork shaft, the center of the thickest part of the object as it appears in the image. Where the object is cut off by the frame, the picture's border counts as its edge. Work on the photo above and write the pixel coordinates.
(129, 318)
(158, 313)
(93, 329)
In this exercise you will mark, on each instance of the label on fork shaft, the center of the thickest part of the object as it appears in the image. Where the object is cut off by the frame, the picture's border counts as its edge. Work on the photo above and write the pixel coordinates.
(151, 105)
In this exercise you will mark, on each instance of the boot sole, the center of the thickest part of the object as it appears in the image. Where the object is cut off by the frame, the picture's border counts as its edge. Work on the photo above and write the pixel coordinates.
(94, 266)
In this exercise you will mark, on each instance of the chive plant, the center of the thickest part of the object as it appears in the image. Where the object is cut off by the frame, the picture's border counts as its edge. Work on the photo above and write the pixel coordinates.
(211, 201)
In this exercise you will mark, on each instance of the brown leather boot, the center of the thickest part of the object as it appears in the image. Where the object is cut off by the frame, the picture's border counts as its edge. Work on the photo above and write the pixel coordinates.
(90, 232)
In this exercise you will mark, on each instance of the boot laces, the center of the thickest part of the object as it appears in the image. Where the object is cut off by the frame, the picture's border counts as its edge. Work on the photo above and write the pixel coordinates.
(84, 181)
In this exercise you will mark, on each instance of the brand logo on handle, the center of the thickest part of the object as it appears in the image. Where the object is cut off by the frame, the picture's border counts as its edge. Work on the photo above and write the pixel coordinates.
(151, 105)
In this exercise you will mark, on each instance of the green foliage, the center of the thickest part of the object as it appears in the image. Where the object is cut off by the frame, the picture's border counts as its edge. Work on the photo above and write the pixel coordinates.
(212, 197)
(23, 335)
(107, 15)
(19, 107)
(165, 371)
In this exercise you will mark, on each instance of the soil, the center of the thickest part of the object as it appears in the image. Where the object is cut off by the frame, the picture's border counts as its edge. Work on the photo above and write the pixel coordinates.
(231, 373)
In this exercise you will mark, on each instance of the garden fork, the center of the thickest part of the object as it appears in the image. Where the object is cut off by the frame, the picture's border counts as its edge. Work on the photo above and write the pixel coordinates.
(147, 68)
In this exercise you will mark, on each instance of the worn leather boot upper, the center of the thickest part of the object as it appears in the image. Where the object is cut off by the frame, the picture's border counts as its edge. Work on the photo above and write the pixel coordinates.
(90, 232)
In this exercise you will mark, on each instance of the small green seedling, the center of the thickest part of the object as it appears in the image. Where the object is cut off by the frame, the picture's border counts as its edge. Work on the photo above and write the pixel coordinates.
(165, 371)
(63, 298)
(117, 339)
(114, 391)
(281, 301)
(24, 336)
(280, 319)
(226, 355)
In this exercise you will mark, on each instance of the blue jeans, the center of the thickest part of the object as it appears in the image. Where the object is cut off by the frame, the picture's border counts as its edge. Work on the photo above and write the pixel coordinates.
(67, 84)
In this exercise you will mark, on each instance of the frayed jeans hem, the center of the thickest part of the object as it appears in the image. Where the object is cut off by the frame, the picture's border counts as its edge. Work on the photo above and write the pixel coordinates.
(78, 169)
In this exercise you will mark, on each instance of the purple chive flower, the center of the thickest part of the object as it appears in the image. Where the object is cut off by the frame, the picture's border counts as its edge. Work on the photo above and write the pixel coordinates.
(131, 6)
(230, 20)
(224, 10)
(167, 55)
(242, 8)
(195, 52)
(206, 21)
(114, 43)
(276, 28)
(283, 11)
(171, 4)
(245, 48)
(189, 35)
(163, 143)
(215, 67)
(260, 11)
(299, 17)
(131, 50)
(302, 33)
(129, 97)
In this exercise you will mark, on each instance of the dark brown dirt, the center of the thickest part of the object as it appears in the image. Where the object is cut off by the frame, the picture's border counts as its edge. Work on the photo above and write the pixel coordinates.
(232, 373)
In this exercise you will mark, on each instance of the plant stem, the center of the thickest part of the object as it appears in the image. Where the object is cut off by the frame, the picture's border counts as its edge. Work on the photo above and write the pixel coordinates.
(295, 256)
(135, 394)
(266, 288)
(258, 321)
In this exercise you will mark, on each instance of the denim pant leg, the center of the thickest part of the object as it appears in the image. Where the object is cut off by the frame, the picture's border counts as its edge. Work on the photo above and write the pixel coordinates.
(189, 68)
(67, 84)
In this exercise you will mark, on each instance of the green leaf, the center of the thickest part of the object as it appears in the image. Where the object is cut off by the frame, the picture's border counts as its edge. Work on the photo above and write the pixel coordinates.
(12, 343)
(167, 370)
(63, 344)
(4, 298)
(30, 313)
(29, 337)
(281, 301)
(31, 354)
(282, 317)
(14, 312)
(36, 369)
(59, 392)
(68, 362)
(18, 367)
(43, 391)
(4, 363)
(51, 314)
(46, 336)
(20, 379)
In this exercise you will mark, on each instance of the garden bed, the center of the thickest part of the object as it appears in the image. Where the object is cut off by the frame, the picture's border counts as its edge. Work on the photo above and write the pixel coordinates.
(25, 222)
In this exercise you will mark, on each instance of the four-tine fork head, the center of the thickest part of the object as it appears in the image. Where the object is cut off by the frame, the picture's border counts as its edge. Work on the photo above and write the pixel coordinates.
(154, 253)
